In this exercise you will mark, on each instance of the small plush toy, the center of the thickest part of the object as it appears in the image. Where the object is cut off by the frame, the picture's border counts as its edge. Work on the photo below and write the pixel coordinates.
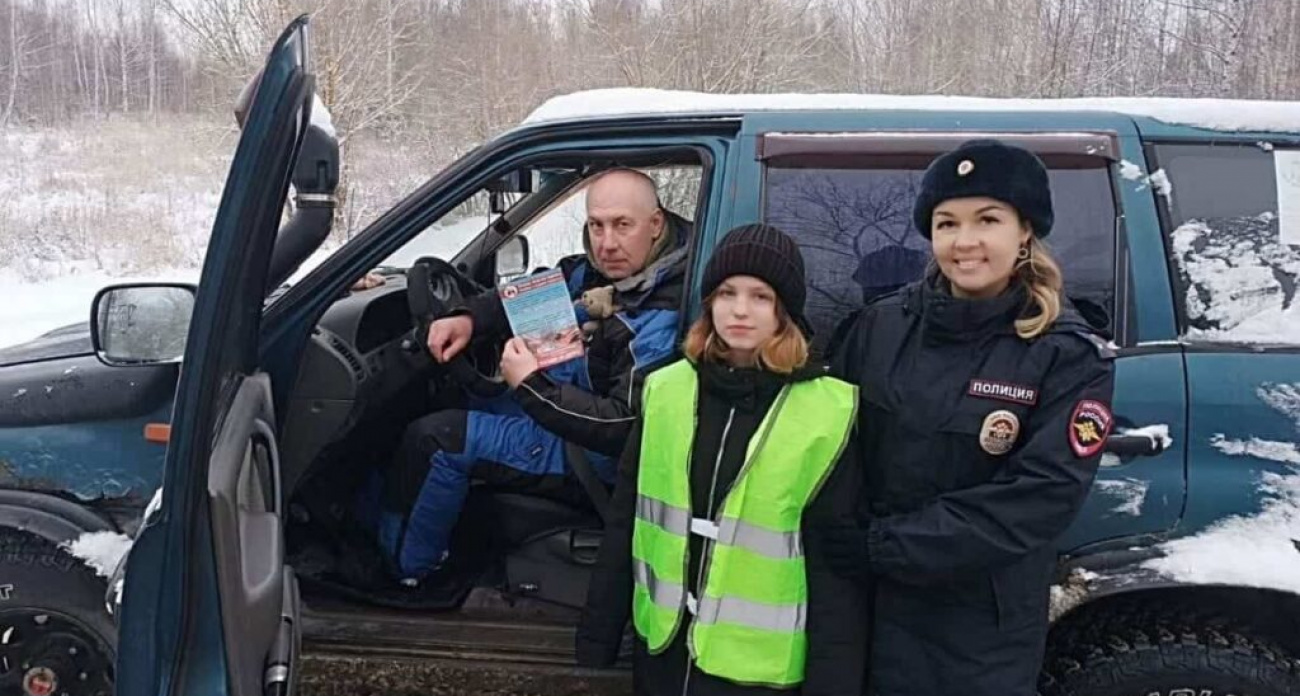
(599, 303)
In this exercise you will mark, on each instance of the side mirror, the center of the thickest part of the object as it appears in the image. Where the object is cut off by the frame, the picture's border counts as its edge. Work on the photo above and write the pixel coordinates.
(142, 323)
(512, 257)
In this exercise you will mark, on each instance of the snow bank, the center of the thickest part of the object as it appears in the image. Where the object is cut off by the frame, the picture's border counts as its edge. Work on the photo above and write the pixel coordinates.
(1222, 114)
(102, 551)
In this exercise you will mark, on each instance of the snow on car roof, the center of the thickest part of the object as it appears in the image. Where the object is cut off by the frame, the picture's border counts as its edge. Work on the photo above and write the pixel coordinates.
(1218, 114)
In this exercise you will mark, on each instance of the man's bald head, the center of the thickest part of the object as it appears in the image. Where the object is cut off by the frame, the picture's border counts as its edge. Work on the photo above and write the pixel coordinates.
(624, 187)
(624, 220)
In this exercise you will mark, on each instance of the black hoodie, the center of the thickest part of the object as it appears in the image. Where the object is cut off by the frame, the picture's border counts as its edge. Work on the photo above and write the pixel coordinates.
(732, 403)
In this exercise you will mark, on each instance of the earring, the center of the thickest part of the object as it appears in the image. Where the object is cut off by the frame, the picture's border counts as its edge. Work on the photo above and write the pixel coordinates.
(1023, 254)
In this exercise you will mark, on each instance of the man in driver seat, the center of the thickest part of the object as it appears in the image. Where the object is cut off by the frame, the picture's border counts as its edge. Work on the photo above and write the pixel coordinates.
(633, 245)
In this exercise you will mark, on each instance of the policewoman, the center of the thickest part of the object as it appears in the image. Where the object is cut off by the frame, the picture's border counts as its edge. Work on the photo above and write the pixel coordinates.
(735, 456)
(985, 404)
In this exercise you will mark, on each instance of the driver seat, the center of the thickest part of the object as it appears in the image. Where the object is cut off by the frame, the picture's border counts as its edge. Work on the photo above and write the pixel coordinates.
(521, 518)
(552, 545)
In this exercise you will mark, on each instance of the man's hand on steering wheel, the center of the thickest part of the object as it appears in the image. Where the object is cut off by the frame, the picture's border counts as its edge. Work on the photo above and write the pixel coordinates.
(449, 336)
(433, 287)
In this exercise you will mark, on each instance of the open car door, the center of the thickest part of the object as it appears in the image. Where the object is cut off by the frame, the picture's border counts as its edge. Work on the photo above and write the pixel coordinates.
(209, 606)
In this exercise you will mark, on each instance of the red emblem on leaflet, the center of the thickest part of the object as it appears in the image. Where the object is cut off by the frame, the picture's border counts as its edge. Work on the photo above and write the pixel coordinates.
(1089, 428)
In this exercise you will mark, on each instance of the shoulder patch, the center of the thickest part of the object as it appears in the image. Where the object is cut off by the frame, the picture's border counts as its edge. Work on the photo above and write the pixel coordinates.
(1089, 427)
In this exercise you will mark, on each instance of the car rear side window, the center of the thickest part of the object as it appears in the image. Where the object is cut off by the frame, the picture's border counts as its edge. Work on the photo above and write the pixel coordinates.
(854, 226)
(1233, 230)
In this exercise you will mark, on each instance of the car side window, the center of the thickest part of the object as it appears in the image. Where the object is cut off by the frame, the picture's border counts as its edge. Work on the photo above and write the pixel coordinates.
(854, 227)
(1233, 230)
(448, 235)
(557, 232)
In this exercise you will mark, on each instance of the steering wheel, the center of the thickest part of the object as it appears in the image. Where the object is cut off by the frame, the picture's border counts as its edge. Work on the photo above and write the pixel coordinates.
(433, 286)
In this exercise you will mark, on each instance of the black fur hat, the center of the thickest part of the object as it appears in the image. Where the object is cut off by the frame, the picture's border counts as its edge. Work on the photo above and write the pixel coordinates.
(992, 169)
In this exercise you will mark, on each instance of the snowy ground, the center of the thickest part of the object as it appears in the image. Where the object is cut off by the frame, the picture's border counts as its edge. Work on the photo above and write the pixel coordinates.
(31, 309)
(76, 214)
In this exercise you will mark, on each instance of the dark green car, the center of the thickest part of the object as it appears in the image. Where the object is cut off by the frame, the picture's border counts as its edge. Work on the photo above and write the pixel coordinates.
(1179, 233)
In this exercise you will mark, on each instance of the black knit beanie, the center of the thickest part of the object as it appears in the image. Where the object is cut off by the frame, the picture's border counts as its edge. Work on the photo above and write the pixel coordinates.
(764, 252)
(992, 169)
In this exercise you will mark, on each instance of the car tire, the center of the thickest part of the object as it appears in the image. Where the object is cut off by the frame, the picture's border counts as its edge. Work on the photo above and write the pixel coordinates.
(1165, 651)
(56, 635)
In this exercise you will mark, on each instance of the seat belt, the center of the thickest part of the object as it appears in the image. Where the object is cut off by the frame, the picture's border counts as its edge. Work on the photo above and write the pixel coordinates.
(591, 483)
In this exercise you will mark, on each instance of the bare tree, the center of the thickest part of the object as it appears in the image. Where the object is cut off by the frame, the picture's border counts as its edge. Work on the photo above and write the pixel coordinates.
(16, 41)
(447, 73)
(151, 40)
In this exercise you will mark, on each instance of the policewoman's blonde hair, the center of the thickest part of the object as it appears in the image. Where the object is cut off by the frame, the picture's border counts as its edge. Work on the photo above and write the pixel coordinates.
(783, 353)
(1044, 285)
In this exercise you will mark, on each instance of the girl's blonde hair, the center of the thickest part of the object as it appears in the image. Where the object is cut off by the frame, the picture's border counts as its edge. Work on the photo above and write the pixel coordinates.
(783, 353)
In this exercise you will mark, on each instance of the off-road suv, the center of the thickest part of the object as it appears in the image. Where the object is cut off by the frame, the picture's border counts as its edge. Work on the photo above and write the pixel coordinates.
(1179, 232)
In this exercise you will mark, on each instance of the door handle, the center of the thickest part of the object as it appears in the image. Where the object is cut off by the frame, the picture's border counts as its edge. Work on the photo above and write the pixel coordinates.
(1137, 443)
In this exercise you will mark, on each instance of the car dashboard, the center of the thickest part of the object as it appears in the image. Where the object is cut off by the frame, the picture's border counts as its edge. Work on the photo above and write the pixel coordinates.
(359, 357)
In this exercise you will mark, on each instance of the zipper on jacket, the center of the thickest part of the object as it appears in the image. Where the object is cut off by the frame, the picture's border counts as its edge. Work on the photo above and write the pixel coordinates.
(705, 548)
(717, 464)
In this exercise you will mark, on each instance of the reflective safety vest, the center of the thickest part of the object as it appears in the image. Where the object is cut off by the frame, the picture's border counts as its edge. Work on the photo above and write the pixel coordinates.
(748, 627)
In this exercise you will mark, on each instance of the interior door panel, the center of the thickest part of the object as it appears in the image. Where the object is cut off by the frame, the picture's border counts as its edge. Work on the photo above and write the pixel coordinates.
(247, 534)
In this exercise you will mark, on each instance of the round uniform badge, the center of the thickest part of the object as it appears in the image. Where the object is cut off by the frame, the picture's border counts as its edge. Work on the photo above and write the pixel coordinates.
(965, 167)
(999, 432)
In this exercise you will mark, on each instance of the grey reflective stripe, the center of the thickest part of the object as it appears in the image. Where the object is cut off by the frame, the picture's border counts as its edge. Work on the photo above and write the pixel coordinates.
(674, 519)
(765, 542)
(732, 532)
(783, 618)
(665, 594)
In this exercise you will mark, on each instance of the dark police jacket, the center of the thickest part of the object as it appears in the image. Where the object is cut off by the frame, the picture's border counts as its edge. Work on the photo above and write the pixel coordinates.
(977, 450)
